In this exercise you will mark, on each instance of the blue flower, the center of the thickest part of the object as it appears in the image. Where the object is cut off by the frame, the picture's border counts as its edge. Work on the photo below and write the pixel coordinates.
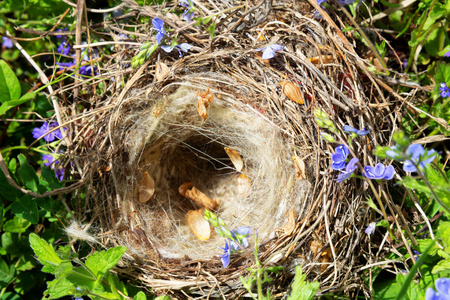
(225, 258)
(445, 91)
(350, 129)
(371, 228)
(339, 157)
(183, 47)
(7, 42)
(379, 172)
(447, 54)
(269, 51)
(243, 231)
(349, 169)
(49, 160)
(64, 48)
(85, 70)
(188, 14)
(158, 25)
(416, 152)
(61, 36)
(44, 129)
(443, 290)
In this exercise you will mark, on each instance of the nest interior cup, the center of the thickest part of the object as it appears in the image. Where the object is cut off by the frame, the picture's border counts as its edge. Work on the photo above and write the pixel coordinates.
(167, 138)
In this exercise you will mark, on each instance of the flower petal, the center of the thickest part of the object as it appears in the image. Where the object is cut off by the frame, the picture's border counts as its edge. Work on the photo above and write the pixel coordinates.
(158, 24)
(276, 47)
(268, 53)
(167, 49)
(389, 172)
(443, 286)
(348, 128)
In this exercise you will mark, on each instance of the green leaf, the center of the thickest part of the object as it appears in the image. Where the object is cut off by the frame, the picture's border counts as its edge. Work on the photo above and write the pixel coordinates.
(27, 174)
(8, 192)
(141, 296)
(13, 103)
(6, 272)
(301, 289)
(9, 84)
(211, 29)
(59, 288)
(26, 208)
(16, 225)
(443, 265)
(407, 288)
(45, 253)
(101, 262)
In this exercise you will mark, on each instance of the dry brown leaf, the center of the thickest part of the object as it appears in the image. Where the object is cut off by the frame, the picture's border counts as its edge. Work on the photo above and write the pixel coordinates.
(202, 200)
(184, 187)
(146, 188)
(290, 224)
(243, 184)
(292, 92)
(300, 167)
(198, 226)
(236, 158)
(204, 99)
(162, 70)
(326, 59)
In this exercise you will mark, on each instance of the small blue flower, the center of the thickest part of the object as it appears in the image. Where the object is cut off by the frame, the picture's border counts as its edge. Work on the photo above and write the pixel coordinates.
(61, 36)
(44, 129)
(269, 51)
(416, 152)
(158, 25)
(350, 129)
(48, 159)
(339, 157)
(188, 15)
(445, 91)
(349, 169)
(183, 47)
(443, 290)
(447, 54)
(379, 172)
(59, 173)
(371, 228)
(244, 231)
(7, 42)
(64, 48)
(225, 258)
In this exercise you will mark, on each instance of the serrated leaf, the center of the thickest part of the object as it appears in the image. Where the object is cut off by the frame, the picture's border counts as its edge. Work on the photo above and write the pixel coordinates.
(9, 84)
(59, 288)
(301, 289)
(79, 276)
(26, 208)
(17, 225)
(443, 265)
(6, 272)
(27, 174)
(101, 262)
(44, 252)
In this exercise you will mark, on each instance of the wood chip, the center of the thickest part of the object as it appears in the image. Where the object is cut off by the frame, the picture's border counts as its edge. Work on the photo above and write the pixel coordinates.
(146, 188)
(202, 200)
(198, 226)
(300, 167)
(292, 92)
(236, 158)
(324, 59)
(204, 99)
(290, 224)
(162, 70)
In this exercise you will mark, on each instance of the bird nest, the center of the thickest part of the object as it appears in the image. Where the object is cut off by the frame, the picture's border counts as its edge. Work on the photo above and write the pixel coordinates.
(234, 129)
